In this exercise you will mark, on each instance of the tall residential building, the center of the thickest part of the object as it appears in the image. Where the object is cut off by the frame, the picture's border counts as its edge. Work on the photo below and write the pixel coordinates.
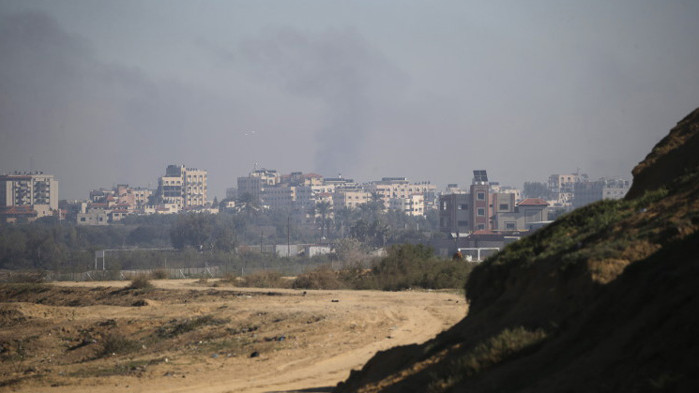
(411, 205)
(183, 187)
(480, 205)
(463, 213)
(390, 188)
(35, 190)
(350, 198)
(257, 181)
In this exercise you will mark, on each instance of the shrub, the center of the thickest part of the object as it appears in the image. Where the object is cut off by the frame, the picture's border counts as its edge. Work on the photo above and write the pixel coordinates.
(140, 282)
(37, 277)
(159, 274)
(264, 279)
(117, 344)
(407, 266)
(321, 278)
(175, 328)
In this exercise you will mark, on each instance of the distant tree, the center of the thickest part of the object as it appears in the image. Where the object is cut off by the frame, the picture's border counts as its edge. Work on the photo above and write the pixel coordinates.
(248, 204)
(192, 229)
(360, 230)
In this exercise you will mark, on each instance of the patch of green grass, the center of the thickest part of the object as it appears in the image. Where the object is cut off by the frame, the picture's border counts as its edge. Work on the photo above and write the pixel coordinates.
(492, 351)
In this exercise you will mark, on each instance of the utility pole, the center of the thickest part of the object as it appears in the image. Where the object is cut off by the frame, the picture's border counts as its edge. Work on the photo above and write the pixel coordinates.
(288, 236)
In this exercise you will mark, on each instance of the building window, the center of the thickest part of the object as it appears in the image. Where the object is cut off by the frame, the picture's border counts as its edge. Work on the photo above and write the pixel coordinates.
(481, 212)
(463, 223)
(481, 196)
(510, 226)
(480, 227)
(504, 206)
(463, 206)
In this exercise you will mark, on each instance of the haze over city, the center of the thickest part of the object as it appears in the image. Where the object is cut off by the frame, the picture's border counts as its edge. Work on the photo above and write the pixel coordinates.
(99, 93)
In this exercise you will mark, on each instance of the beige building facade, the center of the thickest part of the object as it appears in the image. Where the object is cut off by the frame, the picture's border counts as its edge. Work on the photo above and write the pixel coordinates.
(35, 189)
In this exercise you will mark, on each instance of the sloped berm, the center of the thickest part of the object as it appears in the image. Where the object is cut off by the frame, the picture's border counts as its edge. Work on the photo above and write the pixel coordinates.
(605, 299)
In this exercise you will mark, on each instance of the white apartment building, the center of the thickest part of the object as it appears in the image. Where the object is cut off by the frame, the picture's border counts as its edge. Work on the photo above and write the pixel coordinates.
(35, 189)
(183, 187)
(413, 205)
(257, 181)
(350, 198)
(390, 188)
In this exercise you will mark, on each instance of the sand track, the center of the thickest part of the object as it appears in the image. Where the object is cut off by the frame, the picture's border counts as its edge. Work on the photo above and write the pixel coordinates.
(325, 334)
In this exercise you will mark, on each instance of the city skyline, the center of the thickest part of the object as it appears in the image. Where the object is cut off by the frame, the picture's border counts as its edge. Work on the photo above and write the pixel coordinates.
(96, 90)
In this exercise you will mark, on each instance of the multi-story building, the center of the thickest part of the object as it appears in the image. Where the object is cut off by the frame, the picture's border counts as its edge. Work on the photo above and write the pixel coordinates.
(350, 198)
(562, 187)
(390, 188)
(412, 205)
(588, 192)
(257, 181)
(480, 201)
(455, 213)
(183, 187)
(35, 190)
(142, 196)
(526, 216)
(463, 213)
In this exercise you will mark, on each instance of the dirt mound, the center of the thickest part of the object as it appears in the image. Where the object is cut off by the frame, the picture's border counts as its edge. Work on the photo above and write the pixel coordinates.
(672, 157)
(604, 299)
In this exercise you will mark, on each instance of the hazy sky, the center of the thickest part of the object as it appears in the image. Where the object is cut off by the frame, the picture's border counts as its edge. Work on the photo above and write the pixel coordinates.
(107, 92)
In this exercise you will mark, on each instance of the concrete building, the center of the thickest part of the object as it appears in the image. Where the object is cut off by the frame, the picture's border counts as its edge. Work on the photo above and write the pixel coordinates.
(36, 190)
(461, 213)
(588, 192)
(411, 205)
(562, 187)
(480, 201)
(455, 213)
(350, 198)
(142, 196)
(466, 212)
(257, 181)
(529, 214)
(183, 187)
(279, 197)
(93, 216)
(389, 188)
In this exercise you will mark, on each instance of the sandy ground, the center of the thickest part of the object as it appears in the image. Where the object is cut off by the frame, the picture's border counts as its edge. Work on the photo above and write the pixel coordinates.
(306, 342)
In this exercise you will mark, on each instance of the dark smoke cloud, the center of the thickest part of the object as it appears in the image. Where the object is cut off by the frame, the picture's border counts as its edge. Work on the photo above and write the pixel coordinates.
(90, 123)
(341, 70)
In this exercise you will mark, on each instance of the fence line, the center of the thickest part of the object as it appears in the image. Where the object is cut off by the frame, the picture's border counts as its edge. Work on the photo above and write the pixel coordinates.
(285, 267)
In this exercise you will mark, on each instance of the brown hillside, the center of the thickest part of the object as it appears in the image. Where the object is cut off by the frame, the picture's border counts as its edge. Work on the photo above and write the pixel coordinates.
(604, 299)
(671, 157)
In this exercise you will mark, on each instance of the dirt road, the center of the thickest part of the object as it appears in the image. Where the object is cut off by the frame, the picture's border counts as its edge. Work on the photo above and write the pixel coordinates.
(190, 337)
